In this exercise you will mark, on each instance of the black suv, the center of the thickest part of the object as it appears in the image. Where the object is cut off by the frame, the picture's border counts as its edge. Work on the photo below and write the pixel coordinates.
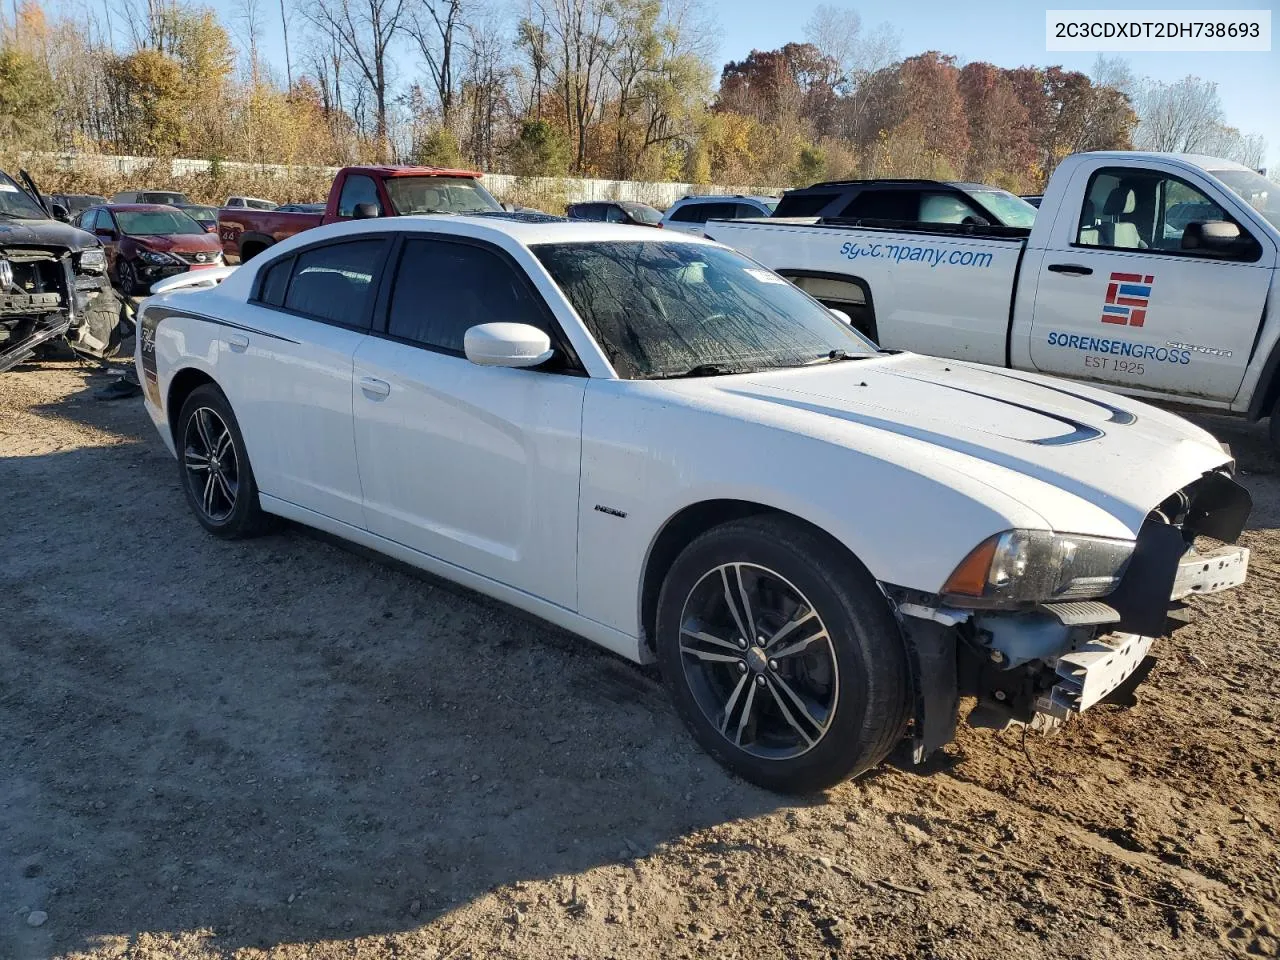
(51, 275)
(912, 201)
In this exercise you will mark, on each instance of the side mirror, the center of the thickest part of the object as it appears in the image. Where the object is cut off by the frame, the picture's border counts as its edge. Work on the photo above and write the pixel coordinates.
(1218, 238)
(106, 233)
(841, 316)
(61, 213)
(366, 211)
(506, 345)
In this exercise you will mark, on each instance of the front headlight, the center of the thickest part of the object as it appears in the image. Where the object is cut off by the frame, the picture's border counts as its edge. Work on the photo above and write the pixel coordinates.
(1036, 566)
(93, 260)
(153, 257)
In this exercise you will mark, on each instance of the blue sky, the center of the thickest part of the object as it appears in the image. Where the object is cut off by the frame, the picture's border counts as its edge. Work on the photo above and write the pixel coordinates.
(1008, 33)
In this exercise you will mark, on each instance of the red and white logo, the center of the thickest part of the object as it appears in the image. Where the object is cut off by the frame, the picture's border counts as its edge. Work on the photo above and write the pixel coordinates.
(1127, 297)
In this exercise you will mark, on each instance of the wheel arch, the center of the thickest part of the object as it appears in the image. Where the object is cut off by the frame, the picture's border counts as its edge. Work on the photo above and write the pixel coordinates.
(250, 244)
(830, 290)
(181, 386)
(685, 526)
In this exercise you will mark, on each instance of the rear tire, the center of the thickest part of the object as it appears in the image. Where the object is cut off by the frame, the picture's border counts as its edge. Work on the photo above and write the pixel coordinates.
(1274, 428)
(827, 659)
(214, 467)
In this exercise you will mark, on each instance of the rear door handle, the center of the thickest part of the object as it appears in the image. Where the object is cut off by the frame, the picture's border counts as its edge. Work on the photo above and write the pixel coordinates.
(374, 388)
(1070, 269)
(238, 342)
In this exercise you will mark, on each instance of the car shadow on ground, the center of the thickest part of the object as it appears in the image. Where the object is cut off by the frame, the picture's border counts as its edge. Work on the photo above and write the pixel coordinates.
(281, 740)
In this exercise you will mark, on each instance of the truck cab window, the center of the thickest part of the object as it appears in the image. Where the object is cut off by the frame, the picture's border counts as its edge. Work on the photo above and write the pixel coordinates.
(357, 189)
(1127, 209)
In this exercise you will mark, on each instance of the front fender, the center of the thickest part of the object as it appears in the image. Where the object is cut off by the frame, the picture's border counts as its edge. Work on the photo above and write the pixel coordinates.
(646, 460)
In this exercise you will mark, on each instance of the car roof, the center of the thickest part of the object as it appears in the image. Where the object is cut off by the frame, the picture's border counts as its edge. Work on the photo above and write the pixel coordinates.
(388, 171)
(138, 207)
(721, 197)
(495, 229)
(826, 185)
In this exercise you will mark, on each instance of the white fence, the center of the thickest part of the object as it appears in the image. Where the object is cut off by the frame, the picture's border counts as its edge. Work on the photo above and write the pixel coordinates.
(568, 189)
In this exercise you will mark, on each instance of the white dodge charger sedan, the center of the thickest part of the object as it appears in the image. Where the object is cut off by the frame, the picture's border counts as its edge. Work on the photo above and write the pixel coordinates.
(658, 444)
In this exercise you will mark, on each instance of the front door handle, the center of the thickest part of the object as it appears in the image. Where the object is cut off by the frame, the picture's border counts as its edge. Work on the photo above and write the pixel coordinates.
(1071, 269)
(374, 388)
(238, 342)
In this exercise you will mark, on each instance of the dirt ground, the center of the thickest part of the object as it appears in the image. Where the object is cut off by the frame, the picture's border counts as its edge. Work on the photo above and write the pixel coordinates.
(285, 749)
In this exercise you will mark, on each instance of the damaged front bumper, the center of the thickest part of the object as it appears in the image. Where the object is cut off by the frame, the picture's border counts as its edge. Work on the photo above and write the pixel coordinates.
(1095, 670)
(1041, 665)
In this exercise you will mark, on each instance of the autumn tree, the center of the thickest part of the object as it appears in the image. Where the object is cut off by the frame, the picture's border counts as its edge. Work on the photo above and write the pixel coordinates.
(1000, 148)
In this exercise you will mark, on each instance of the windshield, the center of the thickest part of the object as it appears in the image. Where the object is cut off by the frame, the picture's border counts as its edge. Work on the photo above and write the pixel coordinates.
(1010, 210)
(771, 204)
(662, 309)
(16, 202)
(411, 195)
(1256, 190)
(147, 223)
(643, 212)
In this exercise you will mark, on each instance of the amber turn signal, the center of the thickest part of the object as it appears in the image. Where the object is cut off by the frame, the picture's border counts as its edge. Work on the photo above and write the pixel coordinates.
(969, 579)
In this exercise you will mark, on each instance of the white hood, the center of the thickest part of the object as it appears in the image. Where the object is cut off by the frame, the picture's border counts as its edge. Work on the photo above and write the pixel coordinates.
(1118, 454)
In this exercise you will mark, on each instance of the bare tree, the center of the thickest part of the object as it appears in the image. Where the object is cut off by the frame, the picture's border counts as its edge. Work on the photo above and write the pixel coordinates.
(288, 63)
(857, 55)
(1180, 117)
(364, 30)
(1115, 72)
(434, 26)
(580, 35)
(248, 20)
(486, 86)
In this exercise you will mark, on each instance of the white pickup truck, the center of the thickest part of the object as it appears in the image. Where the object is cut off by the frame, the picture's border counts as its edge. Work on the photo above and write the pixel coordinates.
(1153, 274)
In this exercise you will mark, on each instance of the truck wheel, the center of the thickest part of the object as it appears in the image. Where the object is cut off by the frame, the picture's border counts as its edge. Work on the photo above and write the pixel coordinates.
(1274, 426)
(216, 475)
(782, 655)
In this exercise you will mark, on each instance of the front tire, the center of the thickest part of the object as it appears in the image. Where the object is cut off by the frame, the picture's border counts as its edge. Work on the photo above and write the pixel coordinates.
(214, 466)
(127, 274)
(782, 656)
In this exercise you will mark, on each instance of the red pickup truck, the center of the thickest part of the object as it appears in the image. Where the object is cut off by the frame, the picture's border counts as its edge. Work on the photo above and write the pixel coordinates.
(357, 193)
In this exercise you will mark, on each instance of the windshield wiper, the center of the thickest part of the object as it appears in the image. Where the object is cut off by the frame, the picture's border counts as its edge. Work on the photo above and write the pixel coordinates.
(834, 356)
(703, 370)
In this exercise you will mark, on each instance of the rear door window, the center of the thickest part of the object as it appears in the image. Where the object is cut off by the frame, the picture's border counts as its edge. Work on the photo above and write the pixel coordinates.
(804, 205)
(690, 213)
(338, 282)
(884, 205)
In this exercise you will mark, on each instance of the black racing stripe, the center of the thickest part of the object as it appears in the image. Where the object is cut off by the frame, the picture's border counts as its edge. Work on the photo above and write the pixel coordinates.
(1123, 417)
(1080, 432)
(166, 312)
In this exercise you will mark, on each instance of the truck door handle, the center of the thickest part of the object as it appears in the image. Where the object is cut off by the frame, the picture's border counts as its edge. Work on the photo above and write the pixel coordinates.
(1070, 269)
(374, 388)
(238, 342)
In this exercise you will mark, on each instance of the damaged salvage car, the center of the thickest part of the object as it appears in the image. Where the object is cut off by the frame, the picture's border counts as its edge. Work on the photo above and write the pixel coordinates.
(672, 451)
(52, 280)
